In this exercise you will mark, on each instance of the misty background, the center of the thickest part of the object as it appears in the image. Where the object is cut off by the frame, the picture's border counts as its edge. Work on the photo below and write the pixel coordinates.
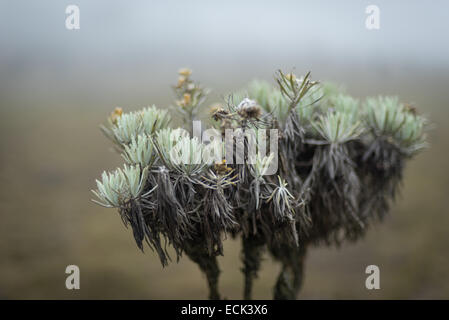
(58, 85)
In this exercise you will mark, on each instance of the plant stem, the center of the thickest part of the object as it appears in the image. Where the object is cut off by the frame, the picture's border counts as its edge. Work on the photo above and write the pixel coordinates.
(291, 277)
(252, 250)
(198, 253)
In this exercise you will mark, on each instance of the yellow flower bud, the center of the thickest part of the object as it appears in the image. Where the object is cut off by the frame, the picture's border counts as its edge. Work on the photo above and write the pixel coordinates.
(221, 168)
(116, 114)
(290, 77)
(187, 98)
(185, 72)
(181, 81)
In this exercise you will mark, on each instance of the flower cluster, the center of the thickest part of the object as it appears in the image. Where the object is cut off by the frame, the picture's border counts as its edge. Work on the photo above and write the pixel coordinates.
(190, 95)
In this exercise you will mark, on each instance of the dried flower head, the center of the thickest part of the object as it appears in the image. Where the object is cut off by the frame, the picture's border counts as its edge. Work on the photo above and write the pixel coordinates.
(218, 113)
(221, 168)
(248, 108)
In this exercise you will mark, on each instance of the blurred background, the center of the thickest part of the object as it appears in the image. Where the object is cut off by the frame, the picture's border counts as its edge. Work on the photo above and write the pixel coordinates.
(58, 85)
